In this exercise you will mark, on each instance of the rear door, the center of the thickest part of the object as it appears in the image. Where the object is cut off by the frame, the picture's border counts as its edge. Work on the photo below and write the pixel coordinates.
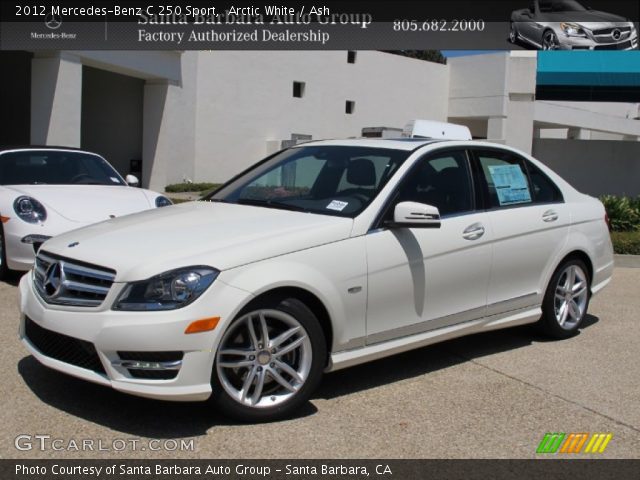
(530, 225)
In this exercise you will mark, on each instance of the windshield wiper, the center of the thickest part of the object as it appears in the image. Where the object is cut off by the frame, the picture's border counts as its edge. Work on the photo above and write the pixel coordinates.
(271, 204)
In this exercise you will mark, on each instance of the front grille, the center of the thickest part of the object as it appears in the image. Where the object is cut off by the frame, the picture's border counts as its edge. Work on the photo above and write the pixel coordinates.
(609, 31)
(152, 356)
(614, 46)
(62, 281)
(62, 347)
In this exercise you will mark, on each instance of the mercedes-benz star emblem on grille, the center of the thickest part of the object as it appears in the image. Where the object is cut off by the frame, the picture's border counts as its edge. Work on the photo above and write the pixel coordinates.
(616, 34)
(53, 21)
(73, 244)
(53, 279)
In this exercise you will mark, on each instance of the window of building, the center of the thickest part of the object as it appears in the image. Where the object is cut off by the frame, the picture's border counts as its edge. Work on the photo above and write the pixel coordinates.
(298, 89)
(351, 56)
(350, 106)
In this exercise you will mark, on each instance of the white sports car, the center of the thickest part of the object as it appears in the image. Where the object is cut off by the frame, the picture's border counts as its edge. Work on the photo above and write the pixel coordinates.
(322, 256)
(46, 191)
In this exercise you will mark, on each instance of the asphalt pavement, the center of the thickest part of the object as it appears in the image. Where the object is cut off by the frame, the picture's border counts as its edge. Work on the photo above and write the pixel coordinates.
(492, 395)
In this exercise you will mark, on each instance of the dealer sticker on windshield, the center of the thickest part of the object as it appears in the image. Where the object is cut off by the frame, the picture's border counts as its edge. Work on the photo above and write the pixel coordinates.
(510, 183)
(337, 205)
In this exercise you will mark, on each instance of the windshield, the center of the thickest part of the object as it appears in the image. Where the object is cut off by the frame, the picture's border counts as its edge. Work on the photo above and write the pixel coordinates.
(330, 180)
(561, 6)
(54, 167)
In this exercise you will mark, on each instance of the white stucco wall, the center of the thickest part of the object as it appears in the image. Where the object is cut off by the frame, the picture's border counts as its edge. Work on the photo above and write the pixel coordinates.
(245, 100)
(169, 128)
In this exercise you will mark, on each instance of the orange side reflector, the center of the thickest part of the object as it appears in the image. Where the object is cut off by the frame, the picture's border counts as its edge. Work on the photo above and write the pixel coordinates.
(203, 325)
(4, 219)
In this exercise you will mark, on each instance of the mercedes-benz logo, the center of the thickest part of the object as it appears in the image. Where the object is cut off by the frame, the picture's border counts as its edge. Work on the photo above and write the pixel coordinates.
(616, 34)
(53, 279)
(53, 21)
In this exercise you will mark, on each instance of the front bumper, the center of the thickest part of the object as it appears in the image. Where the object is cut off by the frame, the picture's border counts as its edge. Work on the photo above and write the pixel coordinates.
(584, 43)
(20, 255)
(111, 332)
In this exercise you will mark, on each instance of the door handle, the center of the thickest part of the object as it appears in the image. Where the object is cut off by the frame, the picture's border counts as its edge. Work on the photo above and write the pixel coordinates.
(473, 232)
(550, 216)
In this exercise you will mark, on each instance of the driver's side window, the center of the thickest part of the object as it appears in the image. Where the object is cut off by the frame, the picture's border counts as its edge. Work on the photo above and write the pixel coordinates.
(443, 180)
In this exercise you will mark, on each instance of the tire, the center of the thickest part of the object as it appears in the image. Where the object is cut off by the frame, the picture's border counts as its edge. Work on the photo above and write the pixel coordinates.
(566, 300)
(513, 33)
(4, 269)
(294, 355)
(550, 40)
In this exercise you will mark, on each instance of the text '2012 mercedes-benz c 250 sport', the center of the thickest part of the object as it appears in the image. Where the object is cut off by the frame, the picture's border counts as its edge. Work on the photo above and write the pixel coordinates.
(320, 257)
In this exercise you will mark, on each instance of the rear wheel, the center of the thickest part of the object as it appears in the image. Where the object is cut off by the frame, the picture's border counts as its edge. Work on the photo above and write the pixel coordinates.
(566, 300)
(269, 361)
(513, 33)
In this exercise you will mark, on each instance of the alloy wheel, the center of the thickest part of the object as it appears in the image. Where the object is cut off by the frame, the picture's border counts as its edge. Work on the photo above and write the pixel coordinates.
(264, 358)
(550, 41)
(571, 295)
(513, 34)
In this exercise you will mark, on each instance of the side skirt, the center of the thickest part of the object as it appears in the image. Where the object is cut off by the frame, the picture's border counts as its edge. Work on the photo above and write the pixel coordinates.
(349, 358)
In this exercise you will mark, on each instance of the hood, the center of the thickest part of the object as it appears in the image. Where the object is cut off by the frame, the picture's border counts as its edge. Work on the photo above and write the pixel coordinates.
(592, 19)
(219, 235)
(86, 203)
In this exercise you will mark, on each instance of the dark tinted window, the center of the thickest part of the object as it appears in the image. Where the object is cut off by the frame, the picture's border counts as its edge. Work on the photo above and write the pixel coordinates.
(441, 180)
(544, 190)
(55, 167)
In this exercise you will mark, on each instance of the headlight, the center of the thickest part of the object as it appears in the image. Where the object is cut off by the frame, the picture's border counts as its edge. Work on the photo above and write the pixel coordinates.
(572, 29)
(162, 201)
(168, 291)
(30, 210)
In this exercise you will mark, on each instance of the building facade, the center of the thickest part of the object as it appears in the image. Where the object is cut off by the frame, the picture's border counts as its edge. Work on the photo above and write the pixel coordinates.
(207, 115)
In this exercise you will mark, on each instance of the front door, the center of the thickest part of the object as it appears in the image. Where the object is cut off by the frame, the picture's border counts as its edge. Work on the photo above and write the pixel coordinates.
(420, 279)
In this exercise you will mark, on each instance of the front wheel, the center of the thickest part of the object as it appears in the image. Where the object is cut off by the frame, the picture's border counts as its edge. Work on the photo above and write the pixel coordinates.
(566, 300)
(550, 41)
(269, 361)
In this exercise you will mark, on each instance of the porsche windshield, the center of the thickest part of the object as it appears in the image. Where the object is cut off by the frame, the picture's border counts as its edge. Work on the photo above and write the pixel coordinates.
(55, 167)
(330, 180)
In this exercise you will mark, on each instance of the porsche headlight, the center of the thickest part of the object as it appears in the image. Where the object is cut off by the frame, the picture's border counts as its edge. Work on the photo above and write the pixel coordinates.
(168, 291)
(30, 210)
(163, 201)
(572, 29)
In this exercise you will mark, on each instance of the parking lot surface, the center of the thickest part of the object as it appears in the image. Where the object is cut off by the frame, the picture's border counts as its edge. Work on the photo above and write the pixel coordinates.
(485, 396)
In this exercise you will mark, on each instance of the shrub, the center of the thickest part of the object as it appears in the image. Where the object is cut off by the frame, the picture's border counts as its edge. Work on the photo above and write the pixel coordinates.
(190, 187)
(627, 243)
(623, 212)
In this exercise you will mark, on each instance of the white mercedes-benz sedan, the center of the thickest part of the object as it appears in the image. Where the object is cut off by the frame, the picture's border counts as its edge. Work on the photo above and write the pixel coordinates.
(320, 257)
(45, 191)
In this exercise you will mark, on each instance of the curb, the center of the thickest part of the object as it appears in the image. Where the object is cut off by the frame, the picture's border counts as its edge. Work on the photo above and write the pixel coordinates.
(627, 261)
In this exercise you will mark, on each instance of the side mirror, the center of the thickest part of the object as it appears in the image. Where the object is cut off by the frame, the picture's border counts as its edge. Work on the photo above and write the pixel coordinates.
(414, 215)
(132, 180)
